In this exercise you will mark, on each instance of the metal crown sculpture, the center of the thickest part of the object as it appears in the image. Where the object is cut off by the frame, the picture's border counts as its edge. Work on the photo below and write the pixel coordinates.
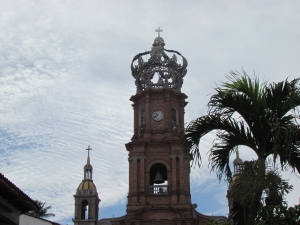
(170, 73)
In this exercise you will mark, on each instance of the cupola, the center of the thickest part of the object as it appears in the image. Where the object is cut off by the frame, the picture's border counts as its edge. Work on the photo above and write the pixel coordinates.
(87, 185)
(237, 163)
(88, 170)
(86, 197)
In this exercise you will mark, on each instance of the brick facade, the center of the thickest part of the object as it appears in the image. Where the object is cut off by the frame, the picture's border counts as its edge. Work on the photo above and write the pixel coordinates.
(159, 173)
(155, 143)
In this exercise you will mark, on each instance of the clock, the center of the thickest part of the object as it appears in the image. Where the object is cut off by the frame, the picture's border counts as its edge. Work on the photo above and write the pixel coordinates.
(157, 115)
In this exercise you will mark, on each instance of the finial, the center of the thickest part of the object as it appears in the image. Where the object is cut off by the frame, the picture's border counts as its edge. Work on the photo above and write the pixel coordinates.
(89, 149)
(237, 154)
(237, 160)
(158, 30)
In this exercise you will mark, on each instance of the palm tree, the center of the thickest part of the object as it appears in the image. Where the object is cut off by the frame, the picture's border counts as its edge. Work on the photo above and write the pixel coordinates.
(244, 112)
(250, 180)
(41, 210)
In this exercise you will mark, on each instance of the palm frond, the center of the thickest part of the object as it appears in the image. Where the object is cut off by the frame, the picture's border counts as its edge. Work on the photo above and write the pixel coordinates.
(41, 211)
(244, 111)
(230, 135)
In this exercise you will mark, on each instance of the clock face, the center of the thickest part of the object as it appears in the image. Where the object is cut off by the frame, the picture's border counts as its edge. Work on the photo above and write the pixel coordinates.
(157, 115)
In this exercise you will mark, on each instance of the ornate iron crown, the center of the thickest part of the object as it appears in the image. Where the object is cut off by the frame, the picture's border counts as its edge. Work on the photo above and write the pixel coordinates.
(169, 73)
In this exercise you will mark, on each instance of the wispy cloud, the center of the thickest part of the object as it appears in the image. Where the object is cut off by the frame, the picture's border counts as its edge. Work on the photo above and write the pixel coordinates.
(65, 82)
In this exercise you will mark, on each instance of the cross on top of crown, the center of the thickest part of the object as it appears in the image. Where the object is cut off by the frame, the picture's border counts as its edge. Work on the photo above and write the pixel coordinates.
(89, 149)
(158, 30)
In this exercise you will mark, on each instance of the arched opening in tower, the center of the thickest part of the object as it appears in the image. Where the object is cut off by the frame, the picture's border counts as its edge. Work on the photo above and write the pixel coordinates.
(85, 209)
(174, 119)
(88, 174)
(158, 179)
(142, 121)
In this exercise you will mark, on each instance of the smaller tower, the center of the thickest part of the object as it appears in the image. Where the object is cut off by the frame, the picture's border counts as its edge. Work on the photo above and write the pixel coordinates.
(237, 164)
(86, 198)
(237, 212)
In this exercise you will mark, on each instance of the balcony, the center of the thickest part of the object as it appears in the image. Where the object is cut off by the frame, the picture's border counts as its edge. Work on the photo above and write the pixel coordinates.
(158, 190)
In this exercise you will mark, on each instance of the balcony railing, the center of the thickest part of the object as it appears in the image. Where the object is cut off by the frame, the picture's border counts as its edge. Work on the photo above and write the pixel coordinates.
(86, 192)
(158, 190)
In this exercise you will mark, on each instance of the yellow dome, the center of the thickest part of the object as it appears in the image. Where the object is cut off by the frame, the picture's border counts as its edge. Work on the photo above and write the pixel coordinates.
(234, 180)
(86, 185)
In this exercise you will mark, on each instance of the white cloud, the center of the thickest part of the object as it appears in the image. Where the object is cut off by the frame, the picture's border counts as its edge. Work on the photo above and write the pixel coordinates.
(65, 82)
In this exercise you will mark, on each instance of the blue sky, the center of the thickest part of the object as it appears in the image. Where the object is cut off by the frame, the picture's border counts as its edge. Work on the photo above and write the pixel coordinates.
(65, 83)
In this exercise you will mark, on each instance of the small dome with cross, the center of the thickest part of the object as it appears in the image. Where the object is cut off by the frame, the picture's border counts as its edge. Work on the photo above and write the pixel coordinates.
(159, 41)
(87, 186)
(88, 166)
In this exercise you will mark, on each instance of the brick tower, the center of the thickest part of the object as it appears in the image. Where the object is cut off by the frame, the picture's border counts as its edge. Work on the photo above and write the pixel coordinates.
(159, 181)
(159, 185)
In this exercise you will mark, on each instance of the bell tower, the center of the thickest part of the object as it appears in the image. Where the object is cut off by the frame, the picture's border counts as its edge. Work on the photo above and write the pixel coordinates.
(238, 214)
(86, 198)
(159, 173)
(159, 185)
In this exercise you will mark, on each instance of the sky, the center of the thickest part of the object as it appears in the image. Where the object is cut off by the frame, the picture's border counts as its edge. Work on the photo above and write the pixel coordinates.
(65, 84)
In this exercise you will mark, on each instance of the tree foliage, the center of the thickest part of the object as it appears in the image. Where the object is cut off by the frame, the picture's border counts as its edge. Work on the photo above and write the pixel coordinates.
(282, 214)
(41, 211)
(249, 181)
(213, 222)
(245, 112)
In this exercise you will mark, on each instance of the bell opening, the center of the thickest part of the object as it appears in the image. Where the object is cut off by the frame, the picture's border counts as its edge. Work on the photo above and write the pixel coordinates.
(84, 210)
(158, 174)
(158, 178)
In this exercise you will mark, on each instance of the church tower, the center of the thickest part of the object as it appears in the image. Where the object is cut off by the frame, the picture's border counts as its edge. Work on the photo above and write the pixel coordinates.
(237, 212)
(159, 185)
(86, 198)
(159, 173)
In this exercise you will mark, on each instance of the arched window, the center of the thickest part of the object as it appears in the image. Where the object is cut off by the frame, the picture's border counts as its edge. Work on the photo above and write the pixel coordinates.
(88, 174)
(85, 209)
(142, 121)
(238, 167)
(158, 179)
(174, 124)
